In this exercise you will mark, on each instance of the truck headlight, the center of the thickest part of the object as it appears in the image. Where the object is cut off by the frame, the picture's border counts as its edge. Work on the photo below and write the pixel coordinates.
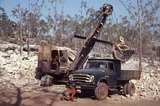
(90, 79)
(71, 77)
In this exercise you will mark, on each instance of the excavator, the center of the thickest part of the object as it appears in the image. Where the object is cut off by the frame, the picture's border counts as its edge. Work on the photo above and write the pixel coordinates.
(55, 64)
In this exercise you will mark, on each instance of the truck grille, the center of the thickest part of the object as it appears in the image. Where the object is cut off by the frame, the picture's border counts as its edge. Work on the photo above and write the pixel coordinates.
(81, 77)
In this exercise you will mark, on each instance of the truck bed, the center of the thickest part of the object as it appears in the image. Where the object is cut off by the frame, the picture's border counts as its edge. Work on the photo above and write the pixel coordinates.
(130, 74)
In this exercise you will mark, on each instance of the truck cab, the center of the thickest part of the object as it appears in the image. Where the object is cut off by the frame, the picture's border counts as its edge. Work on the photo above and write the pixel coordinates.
(102, 76)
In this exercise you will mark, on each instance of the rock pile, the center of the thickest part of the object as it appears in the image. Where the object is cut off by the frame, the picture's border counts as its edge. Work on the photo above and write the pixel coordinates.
(149, 84)
(16, 68)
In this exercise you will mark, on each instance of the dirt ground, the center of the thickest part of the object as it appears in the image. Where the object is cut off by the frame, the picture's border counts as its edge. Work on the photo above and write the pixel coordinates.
(106, 103)
(10, 95)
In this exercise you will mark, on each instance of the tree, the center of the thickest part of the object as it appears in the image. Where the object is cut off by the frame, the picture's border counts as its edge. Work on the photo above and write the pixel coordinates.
(6, 25)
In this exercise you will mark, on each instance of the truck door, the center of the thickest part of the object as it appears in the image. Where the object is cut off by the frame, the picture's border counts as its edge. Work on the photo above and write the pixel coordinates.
(112, 74)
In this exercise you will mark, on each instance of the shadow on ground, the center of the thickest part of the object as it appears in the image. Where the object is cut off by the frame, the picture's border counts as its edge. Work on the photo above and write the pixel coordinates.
(10, 95)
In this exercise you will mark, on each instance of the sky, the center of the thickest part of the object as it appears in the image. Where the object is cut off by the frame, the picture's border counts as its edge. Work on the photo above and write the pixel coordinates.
(70, 7)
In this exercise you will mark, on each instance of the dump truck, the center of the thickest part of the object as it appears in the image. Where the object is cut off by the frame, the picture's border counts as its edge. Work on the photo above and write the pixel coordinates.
(103, 75)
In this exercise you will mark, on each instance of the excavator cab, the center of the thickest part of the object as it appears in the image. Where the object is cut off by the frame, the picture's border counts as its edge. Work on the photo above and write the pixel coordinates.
(61, 58)
(53, 60)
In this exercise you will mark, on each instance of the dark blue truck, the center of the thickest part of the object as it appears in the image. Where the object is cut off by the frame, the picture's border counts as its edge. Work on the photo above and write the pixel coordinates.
(102, 76)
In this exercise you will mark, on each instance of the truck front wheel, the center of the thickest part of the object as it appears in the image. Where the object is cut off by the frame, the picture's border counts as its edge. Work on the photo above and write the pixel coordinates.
(129, 88)
(101, 91)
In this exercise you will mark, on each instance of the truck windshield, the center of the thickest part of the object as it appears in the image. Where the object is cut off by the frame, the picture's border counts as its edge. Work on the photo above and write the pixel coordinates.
(95, 65)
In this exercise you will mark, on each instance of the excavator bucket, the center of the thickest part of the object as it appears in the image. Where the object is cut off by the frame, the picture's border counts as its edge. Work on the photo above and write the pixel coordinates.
(121, 51)
(123, 55)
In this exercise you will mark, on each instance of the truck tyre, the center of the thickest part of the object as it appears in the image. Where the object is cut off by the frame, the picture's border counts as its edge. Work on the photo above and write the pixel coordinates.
(38, 74)
(46, 80)
(129, 89)
(101, 91)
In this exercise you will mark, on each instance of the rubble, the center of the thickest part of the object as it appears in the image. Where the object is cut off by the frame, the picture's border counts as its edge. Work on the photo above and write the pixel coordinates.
(8, 47)
(31, 48)
(16, 69)
(149, 84)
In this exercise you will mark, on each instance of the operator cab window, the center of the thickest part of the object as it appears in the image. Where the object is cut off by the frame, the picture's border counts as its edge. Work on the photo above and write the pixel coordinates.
(95, 65)
(92, 65)
(63, 57)
(102, 65)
